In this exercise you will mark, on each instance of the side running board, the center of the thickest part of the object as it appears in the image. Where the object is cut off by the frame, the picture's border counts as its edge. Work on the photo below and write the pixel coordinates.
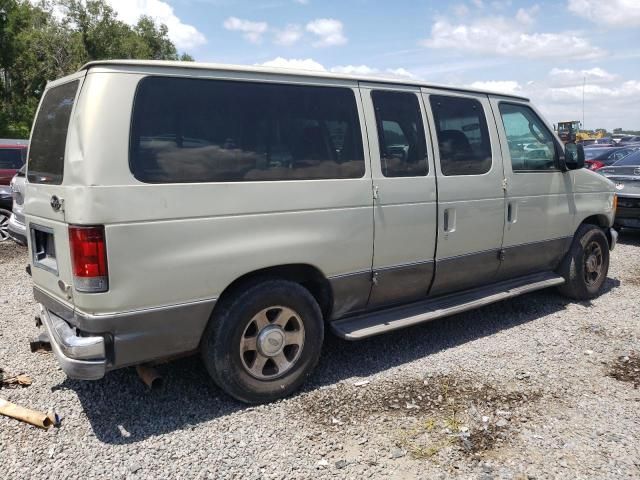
(375, 323)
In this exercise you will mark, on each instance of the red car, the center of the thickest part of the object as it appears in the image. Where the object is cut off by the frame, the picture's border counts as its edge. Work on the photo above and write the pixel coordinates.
(13, 154)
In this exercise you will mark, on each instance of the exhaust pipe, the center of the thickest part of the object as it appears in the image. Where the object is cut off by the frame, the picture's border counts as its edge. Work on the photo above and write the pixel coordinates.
(150, 376)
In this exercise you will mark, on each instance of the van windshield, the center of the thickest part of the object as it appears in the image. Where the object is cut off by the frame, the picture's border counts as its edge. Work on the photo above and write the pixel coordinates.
(49, 137)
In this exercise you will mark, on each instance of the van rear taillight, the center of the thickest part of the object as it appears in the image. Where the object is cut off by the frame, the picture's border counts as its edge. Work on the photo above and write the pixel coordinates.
(89, 259)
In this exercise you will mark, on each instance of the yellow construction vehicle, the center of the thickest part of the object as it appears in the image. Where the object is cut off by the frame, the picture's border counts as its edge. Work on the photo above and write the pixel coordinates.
(569, 132)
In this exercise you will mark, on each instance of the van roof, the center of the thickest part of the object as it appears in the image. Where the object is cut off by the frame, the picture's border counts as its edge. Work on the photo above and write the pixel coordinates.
(159, 64)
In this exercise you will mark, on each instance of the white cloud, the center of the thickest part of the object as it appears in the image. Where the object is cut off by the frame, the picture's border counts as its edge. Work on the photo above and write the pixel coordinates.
(252, 31)
(564, 76)
(400, 72)
(329, 32)
(526, 16)
(624, 13)
(367, 70)
(184, 36)
(504, 36)
(295, 63)
(461, 10)
(302, 2)
(478, 3)
(363, 70)
(288, 36)
(502, 86)
(354, 69)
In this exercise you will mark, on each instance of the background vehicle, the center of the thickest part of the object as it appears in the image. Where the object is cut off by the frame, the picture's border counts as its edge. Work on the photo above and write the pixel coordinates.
(629, 139)
(625, 174)
(13, 154)
(568, 131)
(16, 227)
(596, 158)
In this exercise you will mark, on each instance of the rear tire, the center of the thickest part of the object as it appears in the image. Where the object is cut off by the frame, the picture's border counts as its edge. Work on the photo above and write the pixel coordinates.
(585, 266)
(263, 342)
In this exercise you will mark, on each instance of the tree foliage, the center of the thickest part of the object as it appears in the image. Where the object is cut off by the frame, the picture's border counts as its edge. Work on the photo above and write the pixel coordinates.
(44, 41)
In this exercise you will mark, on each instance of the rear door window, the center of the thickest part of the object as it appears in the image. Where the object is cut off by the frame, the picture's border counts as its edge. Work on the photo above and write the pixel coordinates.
(49, 137)
(463, 135)
(403, 148)
(195, 130)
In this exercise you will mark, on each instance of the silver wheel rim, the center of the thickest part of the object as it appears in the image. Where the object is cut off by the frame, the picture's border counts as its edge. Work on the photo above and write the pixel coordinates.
(593, 263)
(272, 342)
(4, 227)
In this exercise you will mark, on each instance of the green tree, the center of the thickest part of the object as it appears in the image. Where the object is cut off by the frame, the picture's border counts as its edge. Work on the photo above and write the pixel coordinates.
(37, 46)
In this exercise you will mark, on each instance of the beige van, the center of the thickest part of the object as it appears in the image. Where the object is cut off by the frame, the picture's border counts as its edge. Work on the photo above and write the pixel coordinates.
(242, 212)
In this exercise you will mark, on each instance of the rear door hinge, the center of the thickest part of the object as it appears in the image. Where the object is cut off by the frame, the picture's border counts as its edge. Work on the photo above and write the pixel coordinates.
(374, 278)
(375, 192)
(501, 255)
(504, 184)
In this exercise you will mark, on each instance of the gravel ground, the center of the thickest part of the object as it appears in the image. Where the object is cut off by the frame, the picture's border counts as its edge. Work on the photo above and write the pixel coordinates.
(534, 387)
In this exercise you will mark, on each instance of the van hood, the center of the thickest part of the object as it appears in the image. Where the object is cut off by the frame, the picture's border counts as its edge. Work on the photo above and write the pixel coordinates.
(588, 181)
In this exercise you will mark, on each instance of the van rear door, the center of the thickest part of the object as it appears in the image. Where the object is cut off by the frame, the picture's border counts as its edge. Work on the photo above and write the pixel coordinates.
(47, 233)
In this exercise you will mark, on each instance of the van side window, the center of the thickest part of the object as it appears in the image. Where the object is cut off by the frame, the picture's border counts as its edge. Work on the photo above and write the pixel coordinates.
(197, 130)
(531, 144)
(403, 148)
(463, 136)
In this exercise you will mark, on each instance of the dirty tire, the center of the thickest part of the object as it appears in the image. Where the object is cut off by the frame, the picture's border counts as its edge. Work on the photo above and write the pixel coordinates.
(221, 344)
(581, 282)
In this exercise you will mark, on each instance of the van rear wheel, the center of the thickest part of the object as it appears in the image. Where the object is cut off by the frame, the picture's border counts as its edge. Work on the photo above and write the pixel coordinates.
(262, 343)
(586, 265)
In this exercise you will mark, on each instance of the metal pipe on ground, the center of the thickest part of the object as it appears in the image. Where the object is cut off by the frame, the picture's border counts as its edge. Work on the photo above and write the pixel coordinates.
(150, 376)
(39, 419)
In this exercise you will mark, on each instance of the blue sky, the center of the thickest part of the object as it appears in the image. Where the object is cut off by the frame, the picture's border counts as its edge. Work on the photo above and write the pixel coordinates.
(542, 49)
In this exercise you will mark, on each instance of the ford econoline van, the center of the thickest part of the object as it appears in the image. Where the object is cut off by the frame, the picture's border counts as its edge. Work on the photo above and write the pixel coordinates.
(243, 212)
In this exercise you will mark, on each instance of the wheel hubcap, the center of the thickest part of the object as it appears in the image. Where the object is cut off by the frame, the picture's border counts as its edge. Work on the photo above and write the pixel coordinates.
(272, 342)
(4, 227)
(593, 263)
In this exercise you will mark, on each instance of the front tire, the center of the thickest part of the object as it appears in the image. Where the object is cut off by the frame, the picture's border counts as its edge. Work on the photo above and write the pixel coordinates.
(262, 343)
(586, 265)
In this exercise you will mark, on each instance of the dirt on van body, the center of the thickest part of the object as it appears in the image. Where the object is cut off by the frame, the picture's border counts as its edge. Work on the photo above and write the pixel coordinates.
(533, 387)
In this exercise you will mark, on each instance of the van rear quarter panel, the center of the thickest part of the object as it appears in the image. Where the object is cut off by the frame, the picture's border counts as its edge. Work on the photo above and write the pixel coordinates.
(174, 243)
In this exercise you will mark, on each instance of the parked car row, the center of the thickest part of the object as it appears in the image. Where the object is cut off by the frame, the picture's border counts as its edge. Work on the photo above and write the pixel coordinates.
(625, 173)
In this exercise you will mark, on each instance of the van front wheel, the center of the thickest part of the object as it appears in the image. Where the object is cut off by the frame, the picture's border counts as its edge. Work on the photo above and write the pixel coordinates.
(262, 343)
(586, 265)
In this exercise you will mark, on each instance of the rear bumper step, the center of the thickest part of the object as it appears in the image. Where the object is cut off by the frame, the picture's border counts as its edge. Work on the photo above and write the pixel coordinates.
(368, 325)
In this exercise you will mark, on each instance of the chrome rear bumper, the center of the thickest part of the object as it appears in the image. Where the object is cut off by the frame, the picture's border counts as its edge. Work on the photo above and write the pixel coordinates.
(83, 358)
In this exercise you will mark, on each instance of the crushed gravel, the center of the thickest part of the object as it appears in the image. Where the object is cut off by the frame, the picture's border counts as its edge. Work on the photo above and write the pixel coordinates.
(534, 387)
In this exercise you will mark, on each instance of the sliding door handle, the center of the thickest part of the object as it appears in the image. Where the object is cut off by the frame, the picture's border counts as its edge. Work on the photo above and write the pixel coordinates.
(449, 220)
(512, 212)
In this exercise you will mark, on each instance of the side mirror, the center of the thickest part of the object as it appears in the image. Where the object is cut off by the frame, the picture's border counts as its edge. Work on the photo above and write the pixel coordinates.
(573, 156)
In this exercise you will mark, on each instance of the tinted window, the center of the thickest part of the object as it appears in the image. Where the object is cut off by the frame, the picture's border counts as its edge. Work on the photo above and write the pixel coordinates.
(11, 158)
(633, 159)
(531, 144)
(192, 130)
(403, 148)
(617, 155)
(463, 136)
(46, 154)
